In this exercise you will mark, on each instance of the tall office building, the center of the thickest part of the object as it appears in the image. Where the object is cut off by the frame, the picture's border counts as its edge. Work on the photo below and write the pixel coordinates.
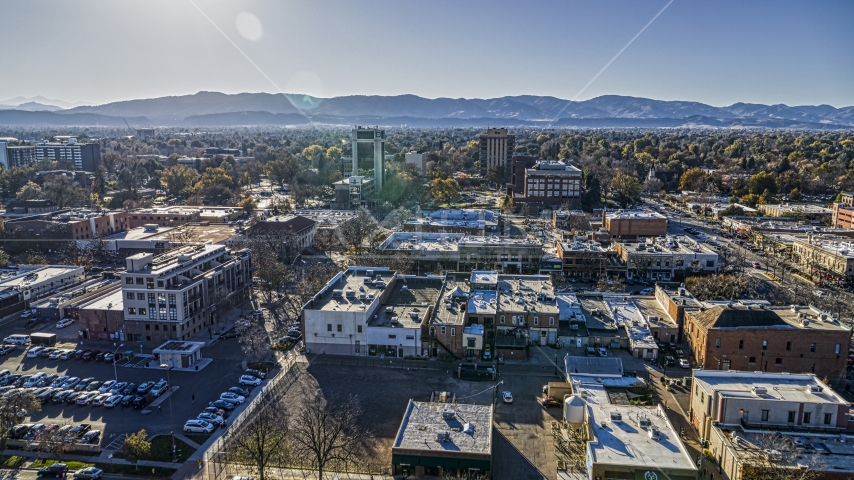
(369, 148)
(496, 149)
(84, 156)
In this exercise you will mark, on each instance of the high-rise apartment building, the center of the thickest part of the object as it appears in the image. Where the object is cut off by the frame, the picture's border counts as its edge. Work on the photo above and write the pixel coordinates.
(84, 156)
(496, 149)
(19, 156)
(369, 150)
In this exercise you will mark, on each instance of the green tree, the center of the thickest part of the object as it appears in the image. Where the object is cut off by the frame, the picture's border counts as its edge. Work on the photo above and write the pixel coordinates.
(4, 259)
(731, 211)
(282, 170)
(694, 179)
(627, 188)
(179, 180)
(762, 181)
(795, 194)
(444, 189)
(592, 191)
(333, 154)
(248, 205)
(215, 177)
(30, 191)
(136, 448)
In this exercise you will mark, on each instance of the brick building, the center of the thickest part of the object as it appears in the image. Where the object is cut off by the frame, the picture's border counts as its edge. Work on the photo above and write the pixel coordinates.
(768, 339)
(164, 217)
(68, 225)
(631, 224)
(583, 259)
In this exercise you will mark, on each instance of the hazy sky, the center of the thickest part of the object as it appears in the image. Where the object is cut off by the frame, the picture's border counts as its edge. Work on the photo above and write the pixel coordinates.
(717, 52)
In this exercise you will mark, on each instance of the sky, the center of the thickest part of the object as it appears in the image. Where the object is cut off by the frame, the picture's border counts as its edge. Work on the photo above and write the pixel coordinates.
(715, 52)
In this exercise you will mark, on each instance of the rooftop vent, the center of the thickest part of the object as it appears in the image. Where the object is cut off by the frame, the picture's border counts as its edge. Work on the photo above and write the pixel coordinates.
(644, 422)
(654, 433)
(469, 428)
(443, 436)
(448, 414)
(816, 388)
(759, 390)
(616, 417)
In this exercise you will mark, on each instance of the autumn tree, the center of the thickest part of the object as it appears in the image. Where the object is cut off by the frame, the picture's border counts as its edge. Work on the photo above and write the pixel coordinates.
(693, 179)
(444, 189)
(179, 180)
(136, 448)
(30, 191)
(248, 205)
(627, 189)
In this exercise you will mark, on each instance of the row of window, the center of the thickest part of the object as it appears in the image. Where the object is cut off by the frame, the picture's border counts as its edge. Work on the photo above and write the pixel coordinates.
(765, 346)
(501, 320)
(791, 417)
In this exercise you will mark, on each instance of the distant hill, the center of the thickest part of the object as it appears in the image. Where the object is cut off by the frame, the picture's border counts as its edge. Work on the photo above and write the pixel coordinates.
(31, 107)
(219, 109)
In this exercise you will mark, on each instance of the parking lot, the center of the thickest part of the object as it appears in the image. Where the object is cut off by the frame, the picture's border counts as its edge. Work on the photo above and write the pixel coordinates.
(114, 423)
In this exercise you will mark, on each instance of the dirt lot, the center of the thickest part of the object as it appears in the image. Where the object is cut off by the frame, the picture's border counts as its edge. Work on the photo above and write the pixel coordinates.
(522, 445)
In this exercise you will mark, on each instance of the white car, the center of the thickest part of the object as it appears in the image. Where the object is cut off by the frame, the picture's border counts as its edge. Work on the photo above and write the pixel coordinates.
(684, 363)
(646, 291)
(113, 401)
(34, 352)
(211, 418)
(64, 322)
(26, 313)
(819, 293)
(249, 380)
(198, 426)
(100, 399)
(232, 397)
(106, 386)
(507, 397)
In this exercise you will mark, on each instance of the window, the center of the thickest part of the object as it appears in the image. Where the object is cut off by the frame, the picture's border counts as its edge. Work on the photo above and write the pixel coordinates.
(812, 348)
(157, 328)
(171, 299)
(443, 330)
(752, 360)
(551, 320)
(717, 343)
(131, 296)
(702, 398)
(788, 346)
(764, 344)
(536, 320)
(142, 311)
(513, 319)
(837, 349)
(328, 327)
(140, 281)
(778, 361)
(764, 415)
(359, 328)
(152, 312)
(149, 283)
(141, 296)
(131, 311)
(147, 326)
(173, 313)
(162, 313)
(827, 418)
(470, 342)
(807, 417)
(710, 264)
(339, 327)
(741, 344)
(502, 319)
(453, 332)
(792, 417)
(392, 336)
(160, 284)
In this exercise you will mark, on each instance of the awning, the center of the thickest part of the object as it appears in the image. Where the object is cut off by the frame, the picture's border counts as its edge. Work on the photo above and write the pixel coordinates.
(620, 475)
(411, 460)
(467, 463)
(440, 462)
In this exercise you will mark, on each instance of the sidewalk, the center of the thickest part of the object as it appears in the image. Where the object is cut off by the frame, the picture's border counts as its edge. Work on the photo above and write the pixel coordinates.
(103, 458)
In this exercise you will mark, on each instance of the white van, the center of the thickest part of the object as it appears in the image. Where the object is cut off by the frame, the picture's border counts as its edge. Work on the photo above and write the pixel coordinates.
(17, 339)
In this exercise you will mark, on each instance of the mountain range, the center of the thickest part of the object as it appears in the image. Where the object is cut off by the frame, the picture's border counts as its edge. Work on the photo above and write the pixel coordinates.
(246, 109)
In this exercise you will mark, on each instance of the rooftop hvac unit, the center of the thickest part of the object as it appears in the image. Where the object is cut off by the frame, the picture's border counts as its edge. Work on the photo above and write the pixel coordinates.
(759, 390)
(469, 428)
(816, 388)
(443, 436)
(652, 318)
(654, 433)
(350, 293)
(369, 273)
(448, 414)
(404, 288)
(389, 309)
(644, 422)
(806, 322)
(616, 417)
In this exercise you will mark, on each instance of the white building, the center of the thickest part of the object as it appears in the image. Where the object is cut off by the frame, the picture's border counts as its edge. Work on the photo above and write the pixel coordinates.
(418, 160)
(35, 282)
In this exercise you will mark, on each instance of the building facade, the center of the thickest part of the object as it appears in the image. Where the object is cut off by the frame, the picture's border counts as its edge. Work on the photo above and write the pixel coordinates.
(496, 149)
(552, 182)
(632, 224)
(667, 258)
(418, 160)
(768, 339)
(84, 156)
(68, 225)
(16, 156)
(583, 259)
(825, 258)
(164, 217)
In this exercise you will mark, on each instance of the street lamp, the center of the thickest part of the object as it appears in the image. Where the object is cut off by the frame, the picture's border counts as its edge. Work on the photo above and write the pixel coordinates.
(171, 425)
(115, 371)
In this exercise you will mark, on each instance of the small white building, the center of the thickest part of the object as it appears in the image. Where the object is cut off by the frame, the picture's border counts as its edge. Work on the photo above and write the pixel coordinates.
(179, 354)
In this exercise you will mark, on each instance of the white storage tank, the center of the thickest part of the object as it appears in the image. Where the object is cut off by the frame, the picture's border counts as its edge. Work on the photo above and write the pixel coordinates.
(574, 408)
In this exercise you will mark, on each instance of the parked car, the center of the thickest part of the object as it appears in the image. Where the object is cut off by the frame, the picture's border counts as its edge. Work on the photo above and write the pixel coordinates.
(45, 353)
(83, 384)
(647, 291)
(72, 397)
(144, 387)
(90, 473)
(680, 353)
(100, 356)
(756, 265)
(222, 404)
(64, 323)
(93, 386)
(91, 437)
(507, 397)
(591, 352)
(232, 398)
(55, 470)
(239, 391)
(79, 430)
(61, 396)
(107, 386)
(71, 383)
(54, 355)
(127, 399)
(85, 398)
(550, 402)
(198, 426)
(602, 352)
(139, 402)
(684, 363)
(255, 373)
(211, 418)
(100, 399)
(216, 411)
(66, 354)
(113, 401)
(669, 361)
(59, 381)
(34, 352)
(159, 389)
(249, 380)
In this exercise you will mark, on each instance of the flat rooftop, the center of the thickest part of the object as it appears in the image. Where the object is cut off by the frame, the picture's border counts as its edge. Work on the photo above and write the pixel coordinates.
(669, 245)
(576, 365)
(452, 307)
(750, 316)
(423, 421)
(477, 240)
(111, 301)
(353, 290)
(654, 314)
(626, 442)
(38, 275)
(784, 387)
(588, 246)
(633, 214)
(627, 315)
(407, 304)
(139, 233)
(213, 233)
(829, 452)
(841, 248)
(417, 241)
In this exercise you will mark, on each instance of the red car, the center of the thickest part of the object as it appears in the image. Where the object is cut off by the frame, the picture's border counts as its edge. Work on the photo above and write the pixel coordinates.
(550, 402)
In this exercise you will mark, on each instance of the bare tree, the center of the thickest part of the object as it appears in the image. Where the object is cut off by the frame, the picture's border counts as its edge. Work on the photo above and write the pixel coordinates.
(73, 253)
(355, 231)
(182, 235)
(55, 444)
(254, 339)
(13, 407)
(262, 441)
(718, 287)
(777, 457)
(327, 434)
